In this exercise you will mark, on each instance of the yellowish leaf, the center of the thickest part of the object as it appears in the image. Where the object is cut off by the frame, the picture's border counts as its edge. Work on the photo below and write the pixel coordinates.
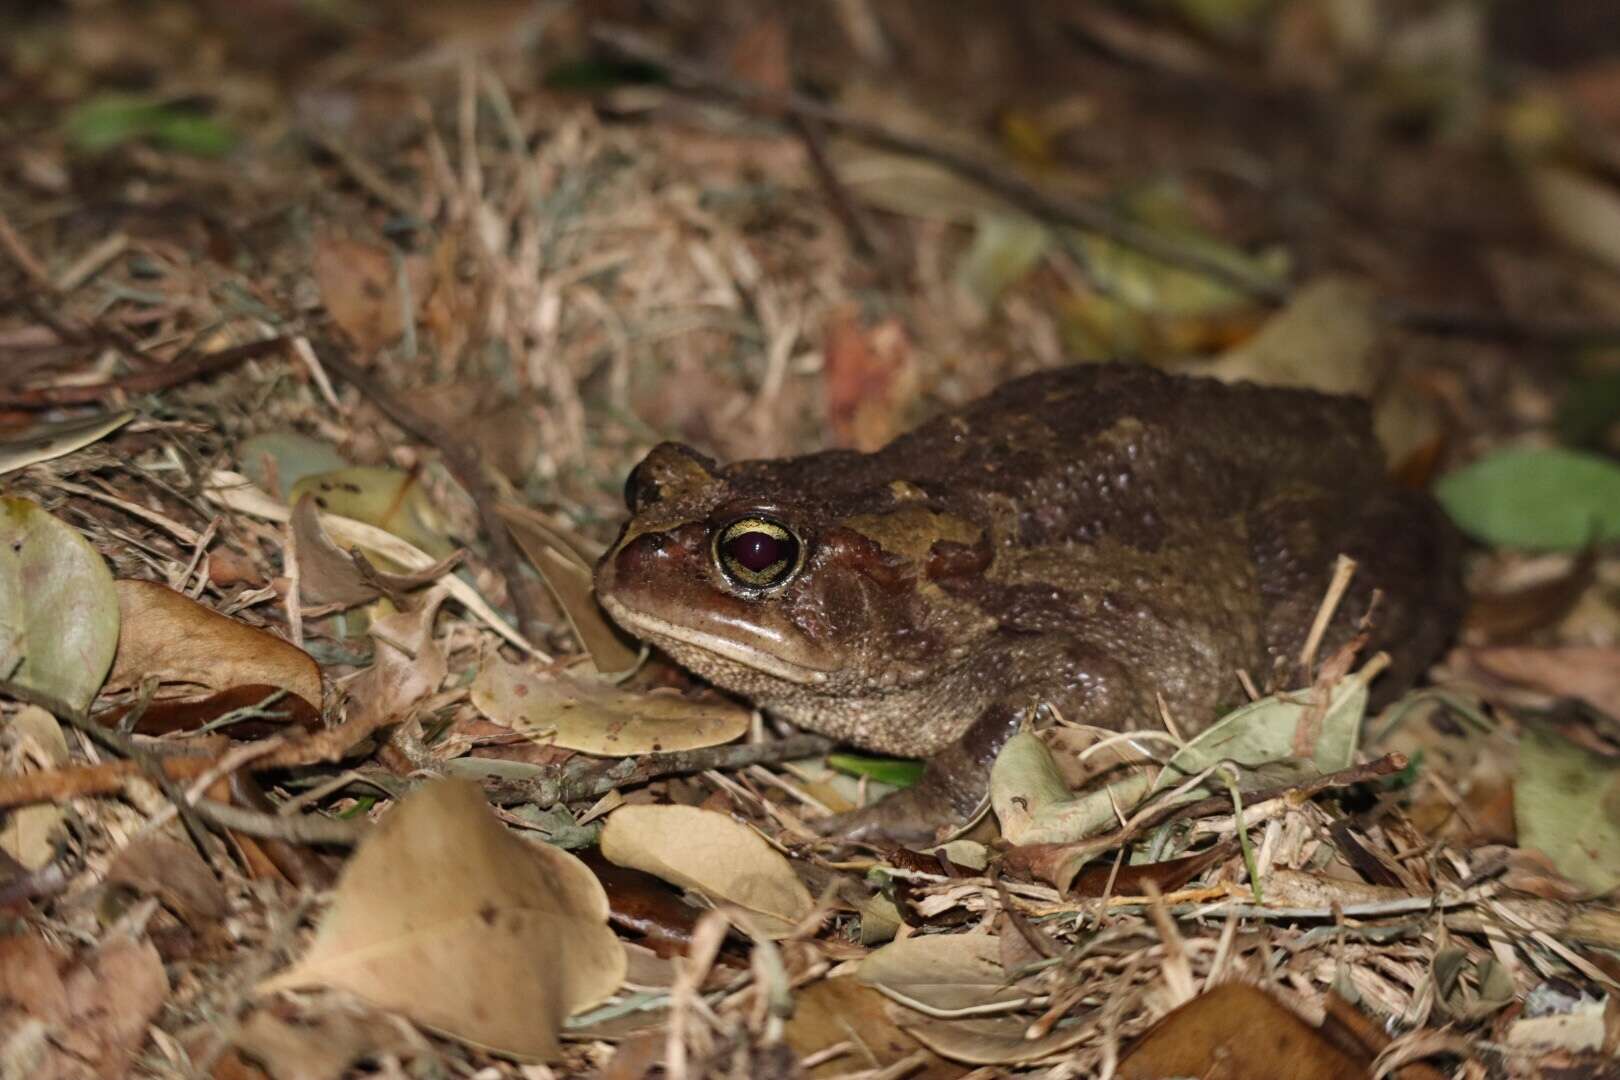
(709, 852)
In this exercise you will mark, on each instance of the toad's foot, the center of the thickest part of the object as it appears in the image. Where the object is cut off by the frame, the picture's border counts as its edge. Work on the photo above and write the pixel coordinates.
(947, 797)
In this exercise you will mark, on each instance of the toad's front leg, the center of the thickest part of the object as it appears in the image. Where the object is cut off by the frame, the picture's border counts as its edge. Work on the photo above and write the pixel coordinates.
(952, 790)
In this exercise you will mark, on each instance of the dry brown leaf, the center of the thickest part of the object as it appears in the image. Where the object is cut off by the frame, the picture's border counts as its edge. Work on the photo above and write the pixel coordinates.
(360, 286)
(319, 1047)
(174, 873)
(831, 1011)
(566, 570)
(709, 852)
(30, 978)
(445, 916)
(987, 1041)
(1237, 1032)
(327, 574)
(28, 834)
(868, 380)
(112, 995)
(408, 665)
(596, 718)
(1588, 672)
(941, 971)
(169, 637)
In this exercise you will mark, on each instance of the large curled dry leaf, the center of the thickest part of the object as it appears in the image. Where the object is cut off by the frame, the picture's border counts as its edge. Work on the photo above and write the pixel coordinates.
(445, 916)
(597, 718)
(709, 852)
(174, 639)
(58, 610)
(327, 574)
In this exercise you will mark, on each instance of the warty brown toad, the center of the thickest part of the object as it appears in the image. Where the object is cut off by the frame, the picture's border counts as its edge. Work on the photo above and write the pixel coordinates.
(1094, 537)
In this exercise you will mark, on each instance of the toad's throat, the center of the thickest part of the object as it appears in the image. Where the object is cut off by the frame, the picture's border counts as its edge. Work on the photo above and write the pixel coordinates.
(748, 655)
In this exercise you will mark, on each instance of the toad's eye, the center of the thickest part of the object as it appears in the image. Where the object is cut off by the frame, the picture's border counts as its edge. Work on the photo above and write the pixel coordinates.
(757, 553)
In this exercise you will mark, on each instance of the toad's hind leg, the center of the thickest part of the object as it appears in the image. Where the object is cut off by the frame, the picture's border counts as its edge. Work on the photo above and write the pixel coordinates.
(953, 788)
(1404, 548)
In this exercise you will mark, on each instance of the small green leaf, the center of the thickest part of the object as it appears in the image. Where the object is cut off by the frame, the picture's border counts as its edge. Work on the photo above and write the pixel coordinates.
(58, 610)
(1566, 804)
(108, 121)
(1549, 499)
(1261, 738)
(899, 772)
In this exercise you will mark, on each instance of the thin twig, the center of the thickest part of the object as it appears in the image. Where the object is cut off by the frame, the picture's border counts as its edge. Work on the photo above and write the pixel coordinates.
(461, 457)
(584, 778)
(145, 382)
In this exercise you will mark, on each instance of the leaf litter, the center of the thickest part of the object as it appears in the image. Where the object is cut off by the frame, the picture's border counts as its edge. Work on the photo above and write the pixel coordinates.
(559, 280)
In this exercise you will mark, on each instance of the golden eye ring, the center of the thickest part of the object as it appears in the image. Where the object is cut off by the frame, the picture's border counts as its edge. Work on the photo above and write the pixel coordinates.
(757, 554)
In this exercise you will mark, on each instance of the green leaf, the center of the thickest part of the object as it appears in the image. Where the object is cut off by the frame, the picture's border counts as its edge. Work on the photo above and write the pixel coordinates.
(108, 121)
(899, 772)
(58, 610)
(1567, 806)
(1260, 738)
(1549, 499)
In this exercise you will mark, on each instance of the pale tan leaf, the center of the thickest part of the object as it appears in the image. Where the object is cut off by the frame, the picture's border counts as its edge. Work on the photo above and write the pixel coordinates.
(597, 718)
(445, 916)
(941, 971)
(174, 639)
(1580, 210)
(329, 574)
(1325, 339)
(832, 1011)
(112, 995)
(709, 852)
(49, 441)
(27, 835)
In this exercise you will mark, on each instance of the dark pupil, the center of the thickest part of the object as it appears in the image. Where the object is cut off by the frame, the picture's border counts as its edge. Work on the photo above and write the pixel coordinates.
(757, 550)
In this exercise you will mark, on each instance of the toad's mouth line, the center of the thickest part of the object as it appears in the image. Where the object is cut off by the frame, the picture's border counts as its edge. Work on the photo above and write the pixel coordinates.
(758, 659)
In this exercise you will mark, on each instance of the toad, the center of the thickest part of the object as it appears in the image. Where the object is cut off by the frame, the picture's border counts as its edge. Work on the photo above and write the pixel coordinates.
(1097, 538)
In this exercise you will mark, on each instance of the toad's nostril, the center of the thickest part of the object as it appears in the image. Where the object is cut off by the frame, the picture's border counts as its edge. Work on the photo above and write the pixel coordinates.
(643, 552)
